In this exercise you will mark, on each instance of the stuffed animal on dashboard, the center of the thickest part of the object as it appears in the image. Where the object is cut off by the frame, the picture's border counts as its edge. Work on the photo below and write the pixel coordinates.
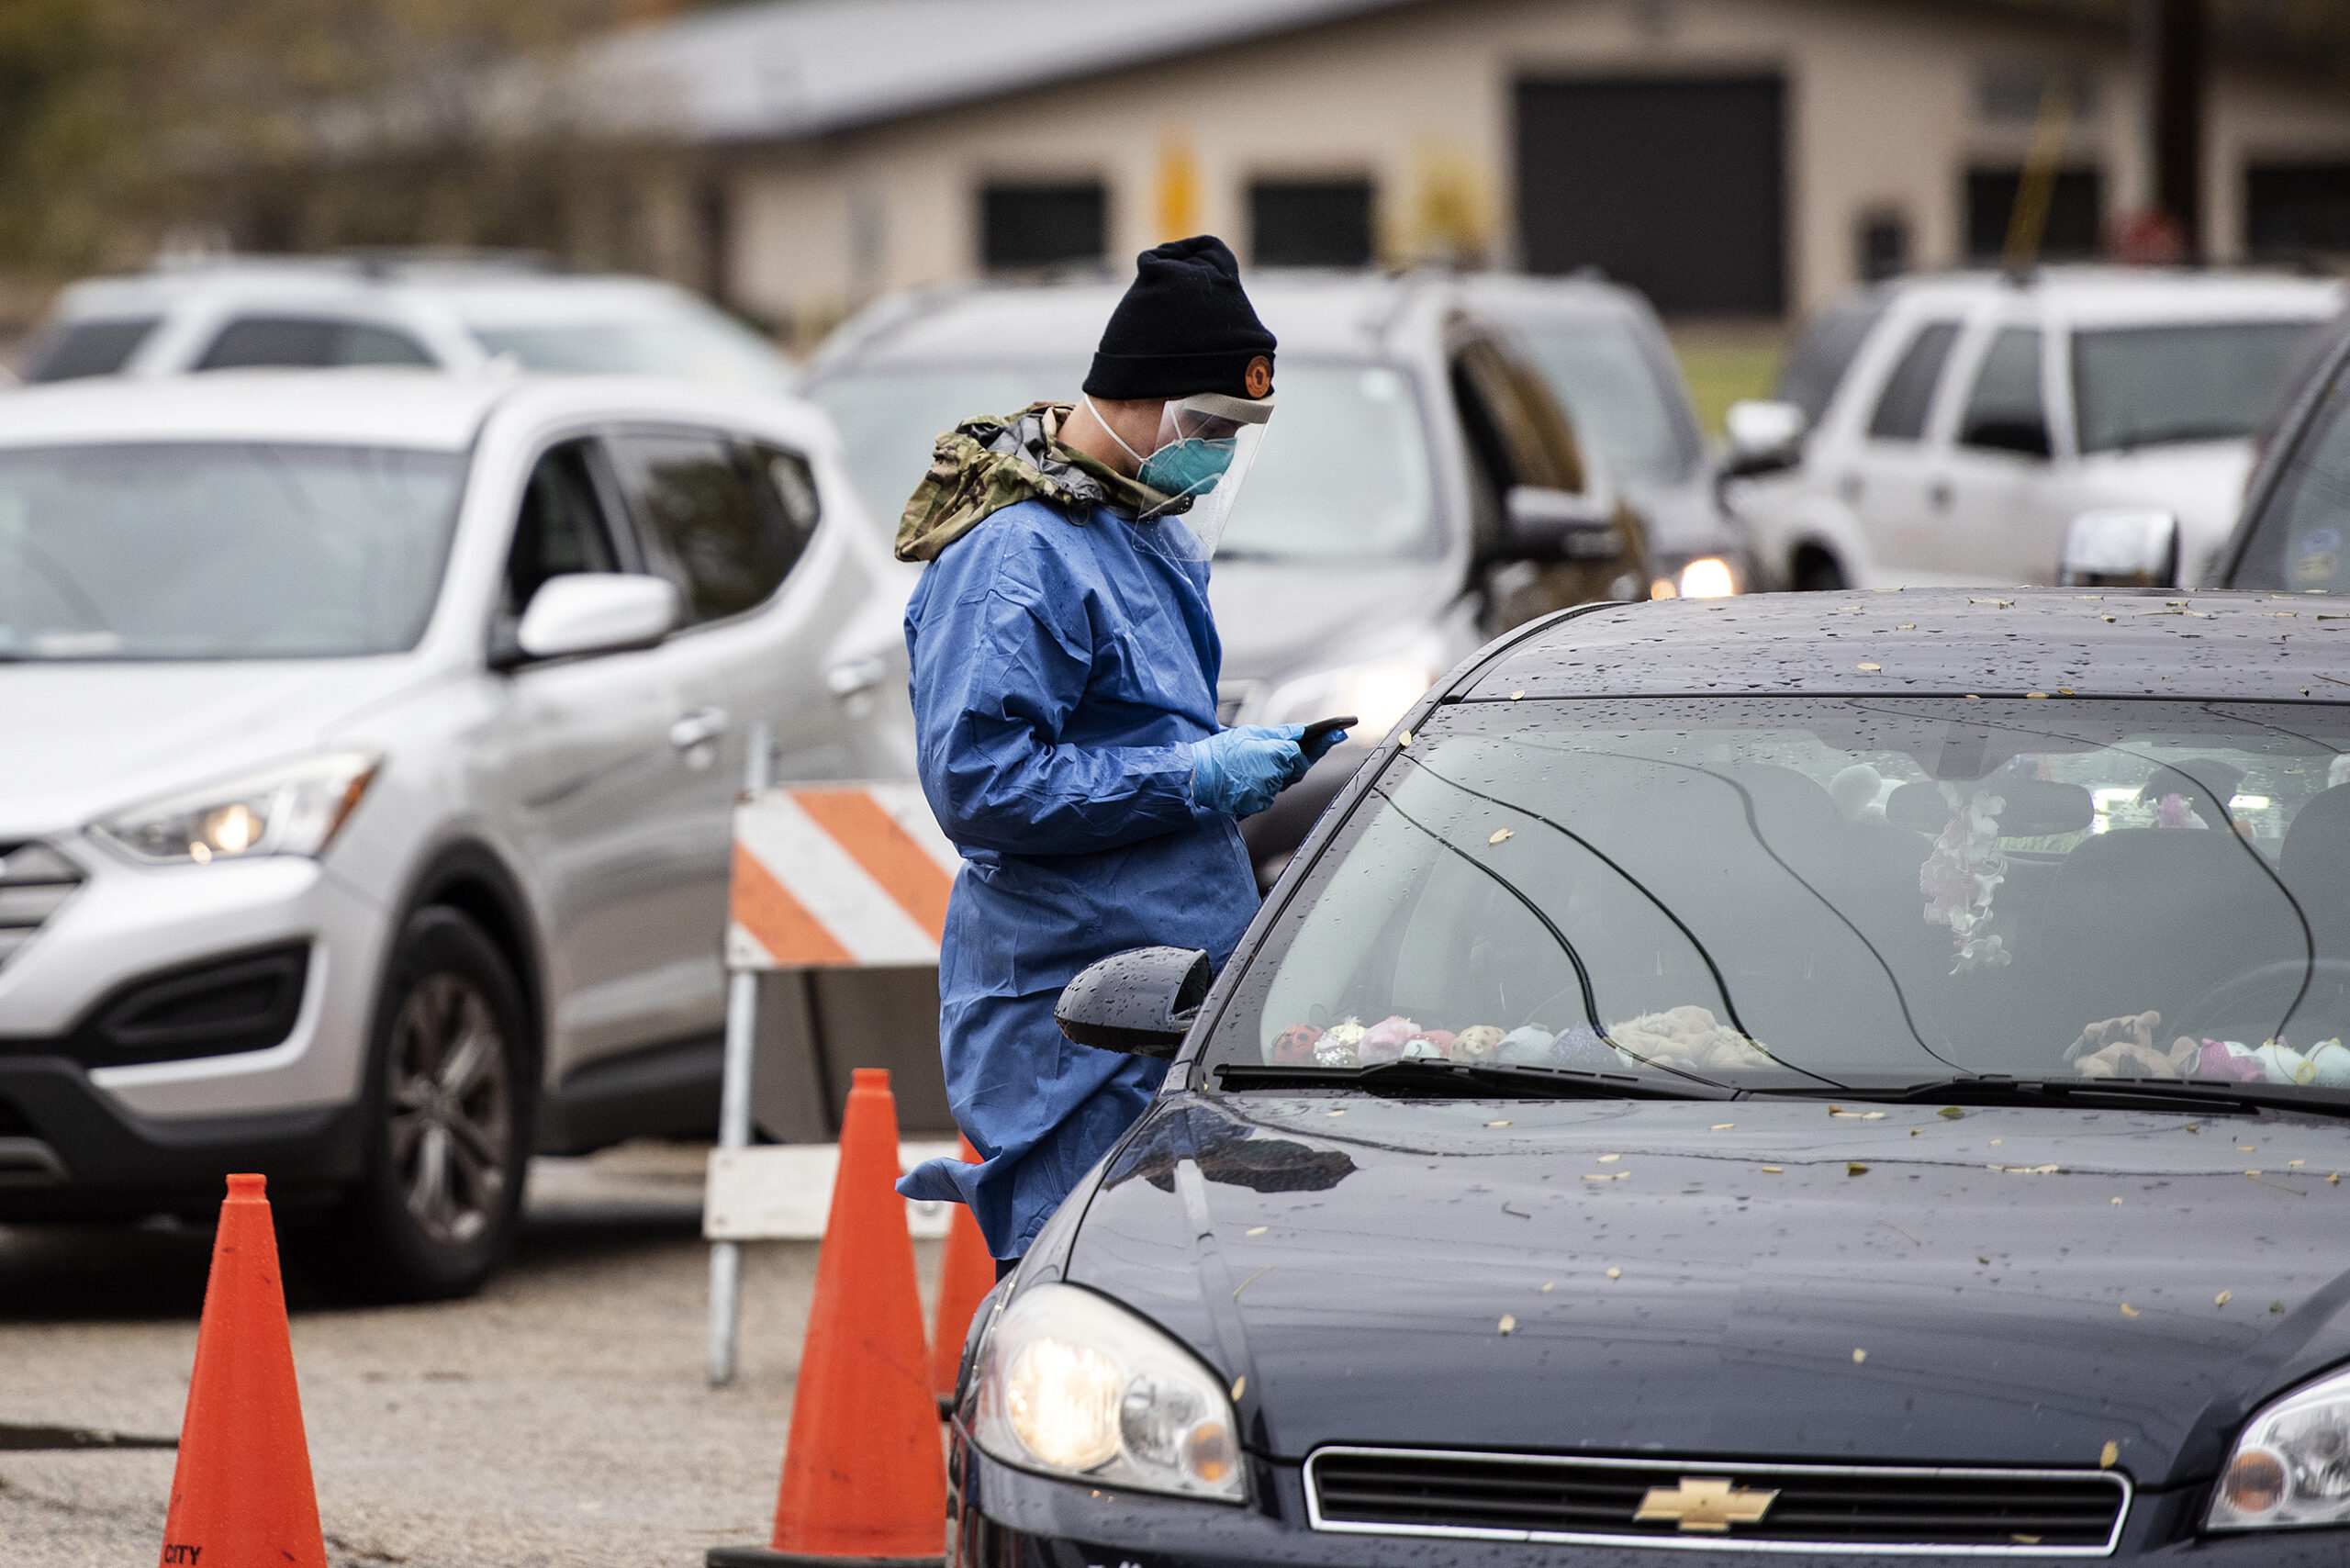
(2124, 1048)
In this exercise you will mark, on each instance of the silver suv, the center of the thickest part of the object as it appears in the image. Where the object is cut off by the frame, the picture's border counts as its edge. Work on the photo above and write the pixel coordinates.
(371, 740)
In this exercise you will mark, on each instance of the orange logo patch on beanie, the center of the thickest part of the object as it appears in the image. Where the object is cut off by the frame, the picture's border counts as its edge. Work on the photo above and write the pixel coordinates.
(1260, 376)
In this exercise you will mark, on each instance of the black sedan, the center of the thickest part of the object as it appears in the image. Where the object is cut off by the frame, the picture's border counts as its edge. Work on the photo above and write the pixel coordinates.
(1857, 1077)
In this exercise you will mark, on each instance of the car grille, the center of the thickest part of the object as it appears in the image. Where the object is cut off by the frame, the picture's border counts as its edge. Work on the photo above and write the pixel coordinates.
(1808, 1507)
(34, 879)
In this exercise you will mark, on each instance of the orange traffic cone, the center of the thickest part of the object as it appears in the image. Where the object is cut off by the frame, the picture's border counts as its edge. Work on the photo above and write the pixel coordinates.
(966, 1275)
(864, 1476)
(241, 1493)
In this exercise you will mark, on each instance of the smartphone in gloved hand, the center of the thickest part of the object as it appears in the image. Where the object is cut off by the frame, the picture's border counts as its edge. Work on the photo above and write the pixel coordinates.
(1316, 739)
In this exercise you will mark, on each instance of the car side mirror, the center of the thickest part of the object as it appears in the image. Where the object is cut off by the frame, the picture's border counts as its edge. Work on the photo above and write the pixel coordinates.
(1141, 1001)
(2121, 547)
(595, 612)
(1764, 436)
(1561, 525)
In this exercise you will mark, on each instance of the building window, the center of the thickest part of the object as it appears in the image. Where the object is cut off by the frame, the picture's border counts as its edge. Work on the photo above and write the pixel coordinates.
(1310, 223)
(2296, 210)
(1027, 226)
(2075, 213)
(1882, 243)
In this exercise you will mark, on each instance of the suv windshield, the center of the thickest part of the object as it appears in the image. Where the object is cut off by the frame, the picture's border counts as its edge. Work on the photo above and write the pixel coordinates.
(1614, 393)
(698, 345)
(220, 550)
(2137, 386)
(1812, 894)
(1343, 474)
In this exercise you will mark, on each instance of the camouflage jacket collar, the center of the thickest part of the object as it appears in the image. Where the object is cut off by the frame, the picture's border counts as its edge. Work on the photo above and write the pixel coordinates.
(987, 463)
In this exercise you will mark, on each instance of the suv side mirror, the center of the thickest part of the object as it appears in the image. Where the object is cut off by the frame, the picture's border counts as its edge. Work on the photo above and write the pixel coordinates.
(2121, 547)
(1764, 436)
(1561, 525)
(1141, 1002)
(595, 612)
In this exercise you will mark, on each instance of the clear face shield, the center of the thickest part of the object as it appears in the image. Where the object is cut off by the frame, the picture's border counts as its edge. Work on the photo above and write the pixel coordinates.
(1207, 444)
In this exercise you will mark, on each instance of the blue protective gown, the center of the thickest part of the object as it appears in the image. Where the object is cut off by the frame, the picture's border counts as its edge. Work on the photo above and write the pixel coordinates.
(1061, 673)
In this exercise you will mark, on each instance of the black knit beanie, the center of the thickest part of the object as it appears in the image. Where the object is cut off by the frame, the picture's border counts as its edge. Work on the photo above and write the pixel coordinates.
(1185, 327)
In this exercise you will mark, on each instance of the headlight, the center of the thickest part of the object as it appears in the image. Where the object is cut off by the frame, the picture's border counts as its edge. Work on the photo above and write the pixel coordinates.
(1069, 1383)
(296, 809)
(2292, 1464)
(1708, 576)
(1378, 692)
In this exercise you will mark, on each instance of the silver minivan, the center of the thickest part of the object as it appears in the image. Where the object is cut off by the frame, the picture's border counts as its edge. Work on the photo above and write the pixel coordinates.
(371, 743)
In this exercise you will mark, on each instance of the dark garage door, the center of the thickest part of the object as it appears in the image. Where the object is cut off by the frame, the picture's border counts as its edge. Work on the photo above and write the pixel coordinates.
(1674, 186)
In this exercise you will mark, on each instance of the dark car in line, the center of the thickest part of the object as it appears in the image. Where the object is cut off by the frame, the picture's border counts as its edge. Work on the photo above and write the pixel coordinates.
(1858, 1078)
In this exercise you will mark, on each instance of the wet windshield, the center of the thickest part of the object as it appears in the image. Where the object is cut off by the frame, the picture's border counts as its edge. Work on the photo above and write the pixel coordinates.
(1799, 894)
(1615, 395)
(1343, 474)
(2295, 542)
(220, 550)
(2152, 386)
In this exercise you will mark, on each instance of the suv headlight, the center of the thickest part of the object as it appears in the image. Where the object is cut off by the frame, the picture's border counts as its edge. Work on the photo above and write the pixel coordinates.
(2291, 1466)
(1072, 1383)
(294, 809)
(1378, 692)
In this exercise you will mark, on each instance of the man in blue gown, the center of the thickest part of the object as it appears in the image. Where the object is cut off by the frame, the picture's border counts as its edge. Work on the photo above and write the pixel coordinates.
(1065, 665)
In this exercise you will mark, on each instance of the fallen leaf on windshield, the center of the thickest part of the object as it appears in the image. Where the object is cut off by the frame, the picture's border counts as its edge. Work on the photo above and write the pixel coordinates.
(1773, 1170)
(2247, 1147)
(1499, 834)
(1497, 1123)
(1508, 1323)
(1517, 696)
(1985, 1262)
(1609, 1159)
(2107, 1454)
(2283, 614)
(2106, 619)
(1604, 1176)
(1725, 1126)
(1548, 1288)
(1405, 739)
(2222, 1299)
(2002, 603)
(1334, 1113)
(2064, 691)
(2036, 695)
(1256, 1230)
(1872, 667)
(1915, 1131)
(2128, 1311)
(2117, 1199)
(1907, 626)
(2296, 1162)
(1859, 1356)
(2275, 1307)
(1854, 1168)
(1950, 1113)
(1615, 1273)
(2335, 1178)
(1997, 1141)
(1237, 1387)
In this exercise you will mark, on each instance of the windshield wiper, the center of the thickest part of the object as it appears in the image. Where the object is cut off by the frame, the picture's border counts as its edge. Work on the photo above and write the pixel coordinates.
(2187, 1096)
(1459, 1080)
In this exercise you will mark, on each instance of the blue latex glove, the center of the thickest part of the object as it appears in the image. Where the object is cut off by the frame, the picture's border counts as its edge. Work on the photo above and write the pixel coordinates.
(1241, 770)
(1322, 744)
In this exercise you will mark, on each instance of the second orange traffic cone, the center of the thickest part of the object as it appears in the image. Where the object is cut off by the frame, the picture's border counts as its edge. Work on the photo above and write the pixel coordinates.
(241, 1491)
(966, 1275)
(864, 1476)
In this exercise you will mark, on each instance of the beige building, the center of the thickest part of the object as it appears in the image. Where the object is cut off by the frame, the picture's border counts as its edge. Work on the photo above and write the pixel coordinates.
(1729, 156)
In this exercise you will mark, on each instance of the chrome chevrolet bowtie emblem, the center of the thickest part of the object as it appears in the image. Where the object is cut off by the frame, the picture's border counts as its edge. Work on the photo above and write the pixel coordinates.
(1704, 1504)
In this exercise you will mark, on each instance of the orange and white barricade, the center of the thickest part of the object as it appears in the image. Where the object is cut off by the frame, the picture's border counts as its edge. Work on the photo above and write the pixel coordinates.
(837, 876)
(825, 876)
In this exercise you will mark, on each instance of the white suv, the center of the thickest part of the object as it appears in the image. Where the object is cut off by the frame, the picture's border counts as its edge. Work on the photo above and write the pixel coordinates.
(372, 745)
(1946, 429)
(322, 312)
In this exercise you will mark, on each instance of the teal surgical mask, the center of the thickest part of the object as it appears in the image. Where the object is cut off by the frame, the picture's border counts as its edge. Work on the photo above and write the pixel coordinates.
(1188, 467)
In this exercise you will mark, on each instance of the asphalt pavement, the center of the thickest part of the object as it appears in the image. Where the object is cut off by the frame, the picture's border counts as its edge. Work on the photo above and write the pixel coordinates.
(558, 1417)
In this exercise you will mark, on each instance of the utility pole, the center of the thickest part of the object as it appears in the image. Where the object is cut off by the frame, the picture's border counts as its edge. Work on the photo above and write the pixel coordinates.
(2175, 41)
